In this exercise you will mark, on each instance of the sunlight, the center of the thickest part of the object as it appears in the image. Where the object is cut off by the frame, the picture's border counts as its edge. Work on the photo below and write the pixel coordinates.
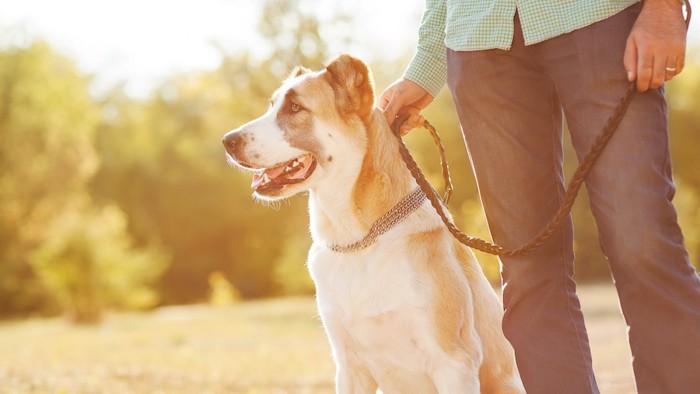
(142, 42)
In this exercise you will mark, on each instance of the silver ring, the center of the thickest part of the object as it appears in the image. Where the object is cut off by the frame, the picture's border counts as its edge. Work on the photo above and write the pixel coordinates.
(671, 69)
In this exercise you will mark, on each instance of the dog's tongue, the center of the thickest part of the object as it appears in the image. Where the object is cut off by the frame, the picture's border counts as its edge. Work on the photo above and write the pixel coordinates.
(271, 173)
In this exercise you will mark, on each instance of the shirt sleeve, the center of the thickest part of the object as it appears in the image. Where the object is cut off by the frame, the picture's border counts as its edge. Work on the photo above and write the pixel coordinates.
(428, 68)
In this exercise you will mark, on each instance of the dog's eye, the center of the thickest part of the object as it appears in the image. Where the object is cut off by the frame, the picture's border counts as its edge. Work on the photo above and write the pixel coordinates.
(295, 107)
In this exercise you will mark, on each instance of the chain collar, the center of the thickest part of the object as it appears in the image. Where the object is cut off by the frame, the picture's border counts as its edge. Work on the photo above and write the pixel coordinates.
(390, 219)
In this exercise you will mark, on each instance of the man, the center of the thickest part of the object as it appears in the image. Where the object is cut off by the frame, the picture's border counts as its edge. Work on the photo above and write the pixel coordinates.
(514, 68)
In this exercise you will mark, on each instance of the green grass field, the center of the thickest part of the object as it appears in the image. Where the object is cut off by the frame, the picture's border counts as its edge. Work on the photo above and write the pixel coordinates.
(273, 346)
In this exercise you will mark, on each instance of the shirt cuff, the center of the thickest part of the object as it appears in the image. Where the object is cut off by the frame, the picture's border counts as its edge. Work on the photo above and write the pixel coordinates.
(428, 71)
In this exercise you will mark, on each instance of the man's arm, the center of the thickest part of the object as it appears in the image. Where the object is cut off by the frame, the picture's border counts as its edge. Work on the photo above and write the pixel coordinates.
(428, 67)
(425, 75)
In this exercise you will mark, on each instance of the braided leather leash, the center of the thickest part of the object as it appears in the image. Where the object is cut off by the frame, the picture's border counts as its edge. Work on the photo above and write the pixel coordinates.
(569, 197)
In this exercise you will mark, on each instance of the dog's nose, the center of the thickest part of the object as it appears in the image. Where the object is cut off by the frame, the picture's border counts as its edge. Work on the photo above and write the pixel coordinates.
(232, 141)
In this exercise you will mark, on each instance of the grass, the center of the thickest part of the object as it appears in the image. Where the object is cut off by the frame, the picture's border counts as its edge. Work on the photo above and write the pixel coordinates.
(272, 346)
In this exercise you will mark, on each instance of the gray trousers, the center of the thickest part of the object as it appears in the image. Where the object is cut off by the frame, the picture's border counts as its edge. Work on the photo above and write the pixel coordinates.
(511, 106)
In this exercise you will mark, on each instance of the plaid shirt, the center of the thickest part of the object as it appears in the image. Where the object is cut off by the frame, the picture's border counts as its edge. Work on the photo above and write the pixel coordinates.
(463, 25)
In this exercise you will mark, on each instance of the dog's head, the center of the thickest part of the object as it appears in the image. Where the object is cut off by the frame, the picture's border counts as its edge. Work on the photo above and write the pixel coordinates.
(312, 133)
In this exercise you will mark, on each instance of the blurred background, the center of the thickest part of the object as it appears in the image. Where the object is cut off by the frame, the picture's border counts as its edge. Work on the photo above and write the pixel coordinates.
(115, 195)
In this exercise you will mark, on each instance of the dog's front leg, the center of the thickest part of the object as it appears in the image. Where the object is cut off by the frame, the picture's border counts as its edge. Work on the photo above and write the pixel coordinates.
(352, 378)
(450, 380)
(458, 372)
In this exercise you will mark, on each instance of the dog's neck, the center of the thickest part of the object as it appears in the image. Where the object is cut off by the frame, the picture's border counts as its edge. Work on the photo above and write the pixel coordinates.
(345, 212)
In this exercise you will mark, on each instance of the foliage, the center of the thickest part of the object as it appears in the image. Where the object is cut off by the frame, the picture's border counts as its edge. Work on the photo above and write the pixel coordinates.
(46, 123)
(58, 250)
(221, 291)
(89, 263)
(684, 121)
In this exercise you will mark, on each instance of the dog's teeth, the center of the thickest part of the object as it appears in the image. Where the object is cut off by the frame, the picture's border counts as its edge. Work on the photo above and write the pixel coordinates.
(266, 178)
(296, 164)
(289, 168)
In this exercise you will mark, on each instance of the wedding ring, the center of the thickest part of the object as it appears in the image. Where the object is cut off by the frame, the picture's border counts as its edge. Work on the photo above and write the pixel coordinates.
(671, 69)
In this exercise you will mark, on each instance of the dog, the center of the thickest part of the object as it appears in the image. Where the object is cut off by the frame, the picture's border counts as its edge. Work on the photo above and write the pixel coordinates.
(406, 307)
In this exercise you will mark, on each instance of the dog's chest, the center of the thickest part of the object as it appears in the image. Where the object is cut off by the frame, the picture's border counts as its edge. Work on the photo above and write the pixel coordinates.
(366, 283)
(374, 304)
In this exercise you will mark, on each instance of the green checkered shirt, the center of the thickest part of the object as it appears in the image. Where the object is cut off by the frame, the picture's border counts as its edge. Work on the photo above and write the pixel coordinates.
(463, 25)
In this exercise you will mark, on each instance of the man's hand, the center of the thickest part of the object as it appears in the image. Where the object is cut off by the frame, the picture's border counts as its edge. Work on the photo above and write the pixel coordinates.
(655, 50)
(405, 97)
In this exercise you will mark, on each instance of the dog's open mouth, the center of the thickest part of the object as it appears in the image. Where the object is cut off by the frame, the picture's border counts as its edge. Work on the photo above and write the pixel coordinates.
(290, 172)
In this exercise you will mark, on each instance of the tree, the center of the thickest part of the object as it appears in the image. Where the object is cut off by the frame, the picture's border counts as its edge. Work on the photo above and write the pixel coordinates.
(46, 121)
(54, 240)
(89, 263)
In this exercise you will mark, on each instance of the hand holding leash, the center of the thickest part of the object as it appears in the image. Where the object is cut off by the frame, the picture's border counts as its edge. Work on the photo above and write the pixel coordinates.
(655, 50)
(405, 97)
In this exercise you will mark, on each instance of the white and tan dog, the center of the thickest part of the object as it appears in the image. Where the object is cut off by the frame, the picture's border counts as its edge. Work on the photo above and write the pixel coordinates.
(410, 313)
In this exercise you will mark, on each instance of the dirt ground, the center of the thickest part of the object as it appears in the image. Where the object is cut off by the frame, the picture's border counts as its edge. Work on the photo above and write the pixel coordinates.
(272, 346)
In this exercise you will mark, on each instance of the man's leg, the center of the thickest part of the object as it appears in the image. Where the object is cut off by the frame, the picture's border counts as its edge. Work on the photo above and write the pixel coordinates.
(511, 120)
(630, 191)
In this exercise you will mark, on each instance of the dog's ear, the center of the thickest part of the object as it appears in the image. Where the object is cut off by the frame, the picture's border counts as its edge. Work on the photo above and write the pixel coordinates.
(297, 71)
(352, 83)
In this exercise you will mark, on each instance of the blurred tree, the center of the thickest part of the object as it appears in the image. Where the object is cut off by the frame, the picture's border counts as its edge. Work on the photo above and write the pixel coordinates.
(221, 291)
(47, 156)
(684, 121)
(294, 32)
(46, 121)
(89, 263)
(290, 274)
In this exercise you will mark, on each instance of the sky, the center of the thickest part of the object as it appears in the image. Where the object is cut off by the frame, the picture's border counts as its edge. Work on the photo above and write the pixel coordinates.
(142, 42)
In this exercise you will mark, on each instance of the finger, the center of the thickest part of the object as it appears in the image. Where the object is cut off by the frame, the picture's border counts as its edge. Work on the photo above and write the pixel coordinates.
(680, 63)
(385, 97)
(392, 108)
(419, 120)
(669, 75)
(412, 122)
(630, 59)
(645, 71)
(658, 72)
(383, 101)
(671, 70)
